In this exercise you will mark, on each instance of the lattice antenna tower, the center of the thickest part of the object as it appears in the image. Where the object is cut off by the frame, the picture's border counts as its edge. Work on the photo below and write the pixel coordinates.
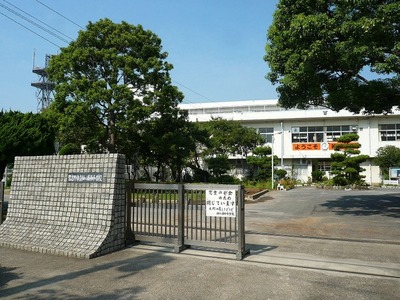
(45, 88)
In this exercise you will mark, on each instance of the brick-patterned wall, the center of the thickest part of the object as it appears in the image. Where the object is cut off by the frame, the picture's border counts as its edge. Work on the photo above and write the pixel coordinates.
(51, 213)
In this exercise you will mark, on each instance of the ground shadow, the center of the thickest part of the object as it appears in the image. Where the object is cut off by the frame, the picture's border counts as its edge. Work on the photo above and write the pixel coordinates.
(43, 288)
(7, 275)
(366, 205)
(124, 293)
(256, 249)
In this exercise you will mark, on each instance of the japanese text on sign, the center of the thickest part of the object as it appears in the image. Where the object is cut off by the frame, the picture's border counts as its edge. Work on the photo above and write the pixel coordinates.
(85, 177)
(221, 203)
(312, 146)
(309, 146)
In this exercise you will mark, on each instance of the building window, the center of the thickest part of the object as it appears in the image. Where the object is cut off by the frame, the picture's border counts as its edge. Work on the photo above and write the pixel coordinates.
(389, 132)
(335, 132)
(266, 133)
(238, 166)
(300, 162)
(316, 134)
(324, 166)
(308, 134)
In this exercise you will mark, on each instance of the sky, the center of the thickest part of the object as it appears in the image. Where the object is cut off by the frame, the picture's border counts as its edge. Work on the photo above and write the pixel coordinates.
(215, 46)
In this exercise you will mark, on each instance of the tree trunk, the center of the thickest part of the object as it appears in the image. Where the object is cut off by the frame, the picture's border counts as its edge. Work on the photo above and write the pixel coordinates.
(2, 169)
(113, 138)
(147, 172)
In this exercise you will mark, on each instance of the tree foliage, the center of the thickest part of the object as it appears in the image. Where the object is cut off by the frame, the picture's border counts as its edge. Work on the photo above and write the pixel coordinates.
(23, 134)
(260, 164)
(114, 94)
(69, 149)
(217, 140)
(346, 160)
(218, 165)
(229, 137)
(112, 84)
(75, 125)
(323, 52)
(387, 157)
(167, 143)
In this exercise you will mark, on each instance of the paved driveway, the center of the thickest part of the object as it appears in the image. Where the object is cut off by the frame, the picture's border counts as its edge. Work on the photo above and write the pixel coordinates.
(307, 211)
(278, 267)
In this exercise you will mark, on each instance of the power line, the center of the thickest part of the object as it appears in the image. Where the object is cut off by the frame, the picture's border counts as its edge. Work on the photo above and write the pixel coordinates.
(53, 10)
(58, 46)
(33, 23)
(28, 14)
(48, 7)
(58, 36)
(192, 90)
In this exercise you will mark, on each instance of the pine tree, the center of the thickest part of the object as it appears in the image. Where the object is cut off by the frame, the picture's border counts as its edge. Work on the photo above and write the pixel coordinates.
(346, 161)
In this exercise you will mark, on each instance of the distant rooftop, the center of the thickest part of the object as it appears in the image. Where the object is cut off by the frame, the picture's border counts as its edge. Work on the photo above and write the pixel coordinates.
(236, 107)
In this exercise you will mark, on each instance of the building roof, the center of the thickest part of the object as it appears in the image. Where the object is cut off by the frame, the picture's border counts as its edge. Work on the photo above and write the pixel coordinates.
(258, 110)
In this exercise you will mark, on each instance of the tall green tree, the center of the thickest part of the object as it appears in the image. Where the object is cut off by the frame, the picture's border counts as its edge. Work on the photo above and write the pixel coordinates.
(226, 138)
(260, 164)
(218, 165)
(75, 125)
(111, 83)
(23, 134)
(338, 54)
(346, 160)
(194, 164)
(387, 157)
(166, 143)
(229, 137)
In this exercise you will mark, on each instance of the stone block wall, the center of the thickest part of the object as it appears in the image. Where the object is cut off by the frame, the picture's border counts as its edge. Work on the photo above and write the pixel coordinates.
(72, 205)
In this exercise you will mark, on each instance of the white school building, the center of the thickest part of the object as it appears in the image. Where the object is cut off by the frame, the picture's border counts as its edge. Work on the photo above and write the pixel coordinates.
(304, 139)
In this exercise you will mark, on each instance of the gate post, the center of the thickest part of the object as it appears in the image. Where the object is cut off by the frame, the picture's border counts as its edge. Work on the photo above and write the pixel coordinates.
(180, 245)
(242, 251)
(129, 234)
(1, 201)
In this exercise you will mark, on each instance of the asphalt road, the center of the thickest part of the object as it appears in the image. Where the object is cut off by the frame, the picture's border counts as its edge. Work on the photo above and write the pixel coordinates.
(155, 273)
(305, 244)
(372, 215)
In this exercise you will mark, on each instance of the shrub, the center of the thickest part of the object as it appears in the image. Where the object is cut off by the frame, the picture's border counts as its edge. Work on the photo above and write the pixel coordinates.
(225, 179)
(317, 175)
(280, 173)
(70, 149)
(288, 183)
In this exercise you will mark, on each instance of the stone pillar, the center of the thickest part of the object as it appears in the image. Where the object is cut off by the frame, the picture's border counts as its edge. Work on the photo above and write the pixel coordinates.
(72, 205)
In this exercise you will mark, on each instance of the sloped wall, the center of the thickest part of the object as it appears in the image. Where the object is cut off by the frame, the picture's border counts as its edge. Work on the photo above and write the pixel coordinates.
(71, 205)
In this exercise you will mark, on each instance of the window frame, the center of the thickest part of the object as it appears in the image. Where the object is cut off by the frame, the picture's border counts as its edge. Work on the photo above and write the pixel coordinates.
(267, 133)
(389, 132)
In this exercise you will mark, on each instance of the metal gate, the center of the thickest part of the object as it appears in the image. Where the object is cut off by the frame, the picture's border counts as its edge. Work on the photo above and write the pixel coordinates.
(1, 201)
(187, 215)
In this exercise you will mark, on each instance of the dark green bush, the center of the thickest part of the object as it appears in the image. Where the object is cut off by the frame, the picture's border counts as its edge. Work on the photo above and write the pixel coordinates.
(70, 149)
(317, 176)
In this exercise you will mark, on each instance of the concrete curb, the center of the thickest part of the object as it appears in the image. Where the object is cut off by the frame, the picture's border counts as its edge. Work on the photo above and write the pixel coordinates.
(293, 260)
(256, 196)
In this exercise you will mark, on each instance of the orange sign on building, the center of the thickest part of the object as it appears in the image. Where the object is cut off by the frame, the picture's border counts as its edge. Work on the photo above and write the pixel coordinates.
(306, 146)
(332, 146)
(313, 146)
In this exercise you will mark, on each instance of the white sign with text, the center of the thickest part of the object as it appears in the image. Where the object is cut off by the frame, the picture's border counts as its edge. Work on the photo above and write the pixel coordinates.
(221, 203)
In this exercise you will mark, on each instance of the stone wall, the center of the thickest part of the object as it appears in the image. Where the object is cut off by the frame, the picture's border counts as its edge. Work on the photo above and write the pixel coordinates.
(71, 205)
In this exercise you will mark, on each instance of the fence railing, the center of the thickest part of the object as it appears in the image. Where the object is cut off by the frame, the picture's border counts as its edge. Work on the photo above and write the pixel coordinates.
(1, 201)
(187, 215)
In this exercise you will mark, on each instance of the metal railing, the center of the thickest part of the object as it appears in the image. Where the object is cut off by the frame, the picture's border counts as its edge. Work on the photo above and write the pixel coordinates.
(1, 201)
(184, 215)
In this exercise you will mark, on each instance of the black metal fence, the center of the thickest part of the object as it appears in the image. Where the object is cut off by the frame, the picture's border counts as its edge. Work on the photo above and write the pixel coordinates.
(187, 215)
(1, 201)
